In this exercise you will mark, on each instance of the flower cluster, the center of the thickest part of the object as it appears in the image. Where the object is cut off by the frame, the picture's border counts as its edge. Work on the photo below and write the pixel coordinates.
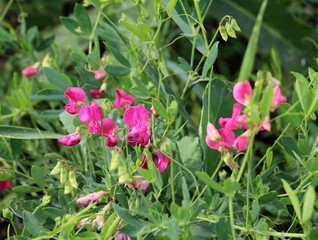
(224, 139)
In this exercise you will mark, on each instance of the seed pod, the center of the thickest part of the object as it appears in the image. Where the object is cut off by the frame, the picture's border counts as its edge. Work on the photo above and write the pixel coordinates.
(234, 25)
(68, 188)
(57, 169)
(223, 33)
(6, 213)
(63, 175)
(230, 30)
(72, 179)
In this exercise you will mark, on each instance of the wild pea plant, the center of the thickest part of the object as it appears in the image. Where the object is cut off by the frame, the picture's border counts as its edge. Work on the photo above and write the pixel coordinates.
(127, 160)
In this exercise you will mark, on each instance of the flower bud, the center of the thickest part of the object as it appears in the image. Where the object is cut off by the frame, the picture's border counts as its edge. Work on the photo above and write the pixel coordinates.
(117, 158)
(86, 3)
(228, 159)
(230, 30)
(123, 173)
(46, 199)
(72, 179)
(155, 114)
(68, 187)
(29, 71)
(234, 25)
(58, 221)
(107, 107)
(223, 33)
(173, 108)
(63, 175)
(47, 61)
(6, 213)
(167, 147)
(78, 30)
(57, 169)
(100, 74)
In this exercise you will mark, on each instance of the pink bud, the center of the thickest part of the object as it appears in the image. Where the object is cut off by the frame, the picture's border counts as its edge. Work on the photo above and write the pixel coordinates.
(143, 184)
(242, 141)
(29, 71)
(83, 222)
(161, 161)
(5, 184)
(242, 92)
(91, 197)
(76, 96)
(277, 98)
(96, 93)
(100, 75)
(123, 100)
(121, 236)
(155, 114)
(70, 140)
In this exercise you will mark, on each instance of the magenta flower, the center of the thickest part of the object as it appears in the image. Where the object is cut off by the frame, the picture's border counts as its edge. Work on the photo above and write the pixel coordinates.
(92, 113)
(242, 92)
(91, 197)
(29, 71)
(135, 115)
(5, 184)
(138, 135)
(76, 96)
(100, 74)
(242, 141)
(143, 184)
(278, 98)
(161, 161)
(96, 93)
(226, 139)
(123, 100)
(212, 133)
(71, 139)
(108, 130)
(121, 236)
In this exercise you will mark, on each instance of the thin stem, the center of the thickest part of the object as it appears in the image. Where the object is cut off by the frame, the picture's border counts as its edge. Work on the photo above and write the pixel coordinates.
(171, 179)
(197, 8)
(104, 153)
(5, 10)
(232, 217)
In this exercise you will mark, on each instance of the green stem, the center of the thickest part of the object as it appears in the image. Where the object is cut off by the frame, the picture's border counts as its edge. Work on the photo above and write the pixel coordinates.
(5, 10)
(206, 186)
(197, 8)
(232, 217)
(249, 149)
(171, 179)
(104, 153)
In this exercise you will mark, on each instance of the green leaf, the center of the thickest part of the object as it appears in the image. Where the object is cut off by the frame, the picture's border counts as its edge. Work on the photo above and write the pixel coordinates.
(67, 121)
(26, 133)
(93, 60)
(303, 92)
(56, 78)
(88, 77)
(51, 95)
(267, 197)
(211, 59)
(31, 223)
(107, 226)
(83, 19)
(293, 198)
(38, 176)
(185, 193)
(184, 64)
(119, 56)
(116, 70)
(170, 7)
(308, 205)
(108, 33)
(231, 186)
(141, 30)
(255, 211)
(223, 229)
(124, 215)
(312, 164)
(250, 53)
(70, 24)
(210, 182)
(5, 36)
(26, 189)
(160, 109)
(266, 102)
(78, 55)
(86, 235)
(53, 212)
(173, 230)
(291, 114)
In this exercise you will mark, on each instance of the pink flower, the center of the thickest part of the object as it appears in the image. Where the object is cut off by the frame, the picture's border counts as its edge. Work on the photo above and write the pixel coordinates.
(83, 222)
(5, 184)
(91, 113)
(266, 125)
(76, 96)
(71, 139)
(29, 71)
(138, 135)
(100, 74)
(242, 92)
(161, 161)
(226, 139)
(212, 133)
(108, 130)
(143, 184)
(242, 141)
(277, 98)
(96, 93)
(100, 220)
(121, 236)
(123, 100)
(91, 197)
(135, 115)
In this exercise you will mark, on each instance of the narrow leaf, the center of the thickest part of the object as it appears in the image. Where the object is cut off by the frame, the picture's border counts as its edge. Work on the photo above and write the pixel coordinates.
(38, 176)
(293, 198)
(159, 108)
(308, 205)
(211, 59)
